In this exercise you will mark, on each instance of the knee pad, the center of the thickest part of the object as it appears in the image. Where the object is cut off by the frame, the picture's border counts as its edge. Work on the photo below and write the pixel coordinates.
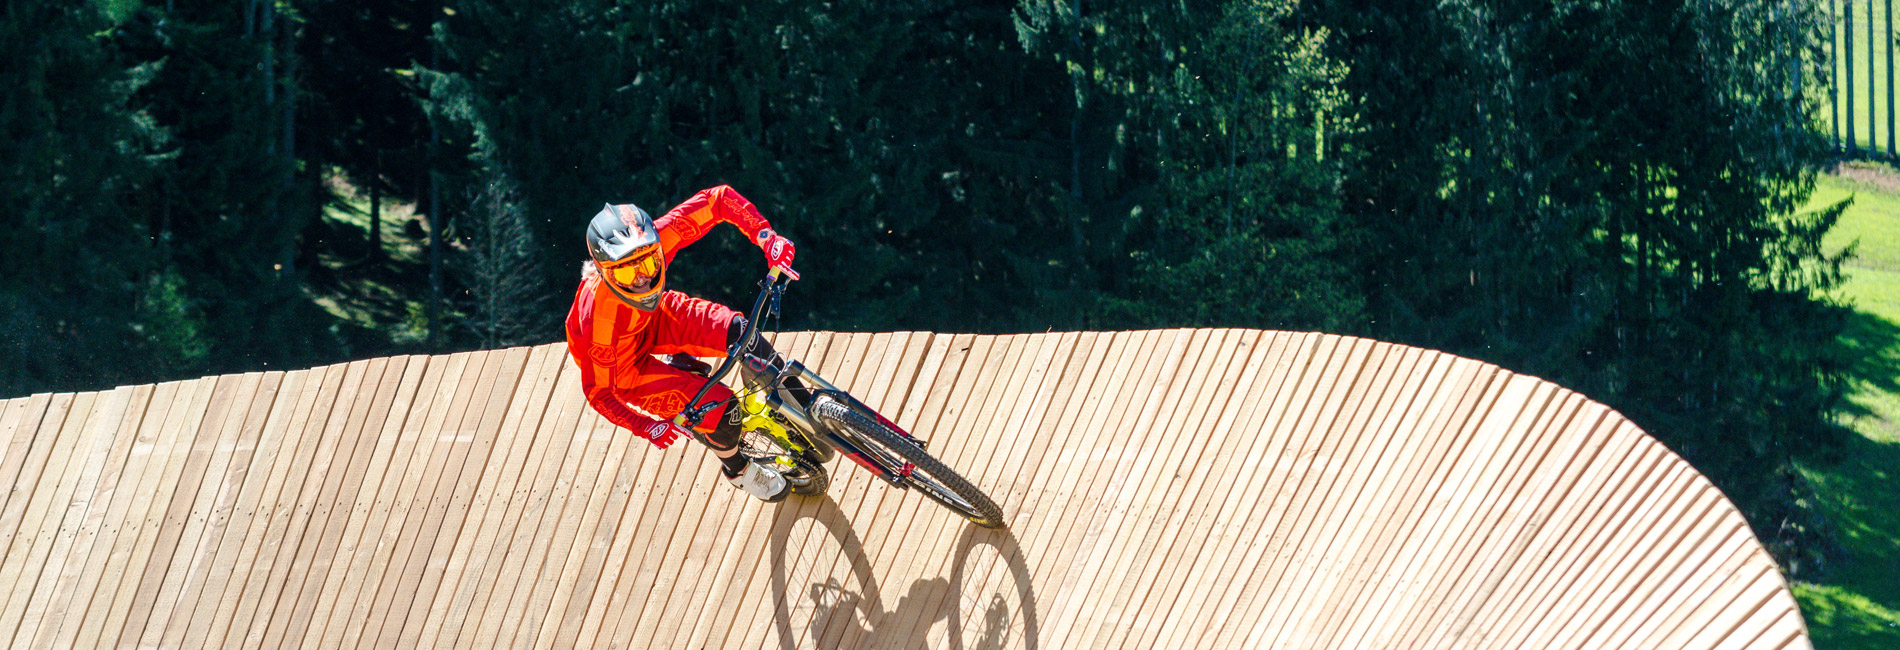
(760, 347)
(725, 437)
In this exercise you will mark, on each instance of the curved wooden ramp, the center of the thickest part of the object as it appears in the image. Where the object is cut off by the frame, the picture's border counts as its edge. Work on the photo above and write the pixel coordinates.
(1166, 489)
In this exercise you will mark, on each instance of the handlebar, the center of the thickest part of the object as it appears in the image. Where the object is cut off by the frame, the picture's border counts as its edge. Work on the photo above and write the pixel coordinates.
(773, 286)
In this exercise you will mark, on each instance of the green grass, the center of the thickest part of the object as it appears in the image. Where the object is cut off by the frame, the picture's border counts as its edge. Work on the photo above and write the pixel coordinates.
(1857, 604)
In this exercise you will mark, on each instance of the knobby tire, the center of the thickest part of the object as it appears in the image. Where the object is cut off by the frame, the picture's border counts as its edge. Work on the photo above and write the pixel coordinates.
(936, 480)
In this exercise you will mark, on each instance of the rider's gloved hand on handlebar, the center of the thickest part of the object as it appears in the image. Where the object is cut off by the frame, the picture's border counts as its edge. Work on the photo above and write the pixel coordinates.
(662, 433)
(778, 251)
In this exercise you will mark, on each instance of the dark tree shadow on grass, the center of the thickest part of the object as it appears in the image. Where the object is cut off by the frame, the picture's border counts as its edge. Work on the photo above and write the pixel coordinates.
(1861, 496)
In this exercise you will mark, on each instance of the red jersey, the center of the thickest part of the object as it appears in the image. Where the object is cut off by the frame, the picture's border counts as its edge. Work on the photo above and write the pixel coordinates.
(613, 342)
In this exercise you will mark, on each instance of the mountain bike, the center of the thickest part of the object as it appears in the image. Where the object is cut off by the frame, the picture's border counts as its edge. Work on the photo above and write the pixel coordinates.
(796, 421)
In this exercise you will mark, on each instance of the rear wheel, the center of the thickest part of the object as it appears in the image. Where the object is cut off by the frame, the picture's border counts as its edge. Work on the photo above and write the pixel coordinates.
(807, 475)
(894, 449)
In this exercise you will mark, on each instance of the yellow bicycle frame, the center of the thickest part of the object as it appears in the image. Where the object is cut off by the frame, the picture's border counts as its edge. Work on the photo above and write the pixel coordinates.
(759, 418)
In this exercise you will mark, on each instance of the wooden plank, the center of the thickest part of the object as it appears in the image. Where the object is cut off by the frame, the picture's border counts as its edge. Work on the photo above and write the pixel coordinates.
(1296, 438)
(736, 596)
(466, 463)
(586, 573)
(226, 479)
(287, 512)
(860, 554)
(992, 597)
(246, 556)
(1154, 586)
(413, 541)
(846, 561)
(979, 588)
(1118, 530)
(1588, 590)
(1212, 504)
(886, 516)
(837, 357)
(415, 450)
(85, 560)
(1071, 479)
(120, 526)
(868, 364)
(1357, 365)
(960, 577)
(72, 506)
(1402, 497)
(468, 579)
(544, 469)
(247, 518)
(1510, 521)
(21, 429)
(397, 394)
(601, 444)
(737, 576)
(1063, 541)
(1431, 450)
(1634, 471)
(162, 580)
(337, 499)
(118, 601)
(40, 521)
(16, 534)
(782, 548)
(1474, 462)
(188, 537)
(643, 477)
(1564, 469)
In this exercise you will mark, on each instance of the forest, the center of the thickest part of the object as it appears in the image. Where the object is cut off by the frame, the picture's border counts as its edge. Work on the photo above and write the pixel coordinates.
(1607, 195)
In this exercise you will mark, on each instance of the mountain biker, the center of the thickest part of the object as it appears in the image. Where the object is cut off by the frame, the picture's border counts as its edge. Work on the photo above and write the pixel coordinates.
(623, 315)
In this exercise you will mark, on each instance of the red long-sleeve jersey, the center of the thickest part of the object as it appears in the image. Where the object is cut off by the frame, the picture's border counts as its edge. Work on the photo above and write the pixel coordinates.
(613, 343)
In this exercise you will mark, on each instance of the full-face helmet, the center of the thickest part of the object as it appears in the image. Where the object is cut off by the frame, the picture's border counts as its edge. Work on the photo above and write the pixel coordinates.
(626, 249)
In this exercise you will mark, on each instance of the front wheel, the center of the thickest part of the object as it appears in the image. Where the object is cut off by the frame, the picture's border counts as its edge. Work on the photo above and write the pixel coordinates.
(895, 449)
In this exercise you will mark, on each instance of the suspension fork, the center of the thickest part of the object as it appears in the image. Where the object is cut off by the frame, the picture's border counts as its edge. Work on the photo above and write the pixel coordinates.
(770, 375)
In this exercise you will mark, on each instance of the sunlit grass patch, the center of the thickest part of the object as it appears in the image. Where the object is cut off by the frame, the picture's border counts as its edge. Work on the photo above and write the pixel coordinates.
(1856, 604)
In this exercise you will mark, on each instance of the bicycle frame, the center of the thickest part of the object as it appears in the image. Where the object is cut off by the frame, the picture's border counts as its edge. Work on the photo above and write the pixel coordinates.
(766, 381)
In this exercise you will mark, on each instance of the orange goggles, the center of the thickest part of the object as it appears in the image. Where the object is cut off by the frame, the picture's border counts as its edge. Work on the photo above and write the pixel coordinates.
(638, 274)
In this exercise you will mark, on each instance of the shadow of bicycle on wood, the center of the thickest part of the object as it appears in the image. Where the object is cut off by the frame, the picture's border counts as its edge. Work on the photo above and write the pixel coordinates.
(985, 602)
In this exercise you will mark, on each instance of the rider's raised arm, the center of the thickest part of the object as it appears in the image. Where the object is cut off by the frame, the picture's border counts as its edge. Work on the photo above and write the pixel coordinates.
(689, 221)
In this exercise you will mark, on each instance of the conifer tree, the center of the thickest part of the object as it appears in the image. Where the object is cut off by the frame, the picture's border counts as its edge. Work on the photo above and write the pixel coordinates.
(86, 299)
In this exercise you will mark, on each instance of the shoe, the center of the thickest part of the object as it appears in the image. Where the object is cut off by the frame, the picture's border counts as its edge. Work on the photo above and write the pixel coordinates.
(762, 482)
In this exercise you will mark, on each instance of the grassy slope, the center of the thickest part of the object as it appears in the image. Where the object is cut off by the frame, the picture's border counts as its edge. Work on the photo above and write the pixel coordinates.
(1870, 73)
(1857, 606)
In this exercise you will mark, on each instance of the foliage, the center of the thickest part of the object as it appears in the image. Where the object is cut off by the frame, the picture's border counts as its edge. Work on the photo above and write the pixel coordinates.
(1601, 194)
(1246, 227)
(235, 212)
(509, 301)
(83, 297)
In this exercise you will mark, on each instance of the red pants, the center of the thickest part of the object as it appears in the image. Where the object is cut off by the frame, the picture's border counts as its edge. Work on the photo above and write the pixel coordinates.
(682, 325)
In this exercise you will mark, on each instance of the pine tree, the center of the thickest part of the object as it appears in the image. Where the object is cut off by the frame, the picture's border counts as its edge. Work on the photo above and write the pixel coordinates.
(86, 299)
(501, 266)
(1602, 195)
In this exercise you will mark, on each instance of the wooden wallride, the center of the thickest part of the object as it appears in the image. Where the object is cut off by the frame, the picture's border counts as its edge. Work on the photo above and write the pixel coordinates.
(1165, 489)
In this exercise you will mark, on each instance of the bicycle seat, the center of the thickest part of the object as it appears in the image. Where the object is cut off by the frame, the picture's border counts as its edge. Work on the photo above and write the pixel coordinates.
(690, 364)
